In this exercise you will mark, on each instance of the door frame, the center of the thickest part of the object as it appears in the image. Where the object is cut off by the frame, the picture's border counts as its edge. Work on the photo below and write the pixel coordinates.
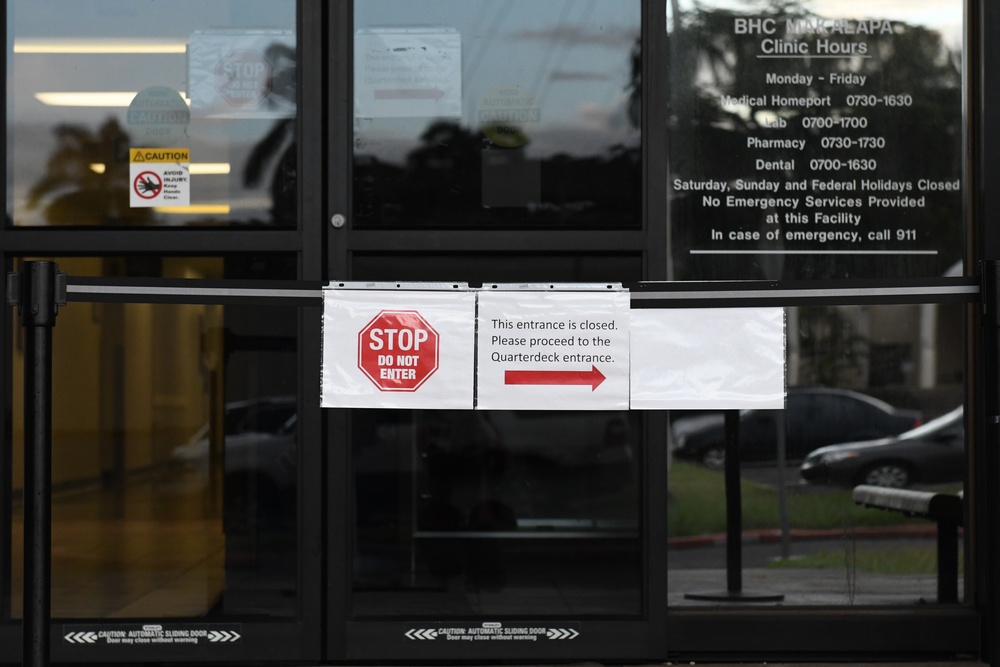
(680, 633)
(365, 639)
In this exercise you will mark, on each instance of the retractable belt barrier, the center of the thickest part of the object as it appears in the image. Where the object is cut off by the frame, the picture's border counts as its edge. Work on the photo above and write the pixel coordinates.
(714, 294)
(39, 289)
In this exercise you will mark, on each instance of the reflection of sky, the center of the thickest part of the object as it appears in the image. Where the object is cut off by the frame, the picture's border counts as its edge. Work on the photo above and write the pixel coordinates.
(173, 20)
(113, 19)
(150, 18)
(572, 56)
(945, 16)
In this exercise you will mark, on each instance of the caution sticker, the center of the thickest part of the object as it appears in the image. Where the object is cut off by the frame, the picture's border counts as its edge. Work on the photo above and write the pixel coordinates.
(157, 113)
(150, 634)
(493, 632)
(159, 177)
(508, 115)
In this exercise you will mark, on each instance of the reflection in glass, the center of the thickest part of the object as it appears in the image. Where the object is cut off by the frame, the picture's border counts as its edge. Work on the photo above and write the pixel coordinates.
(500, 114)
(174, 457)
(496, 512)
(88, 81)
(814, 139)
(858, 415)
(500, 267)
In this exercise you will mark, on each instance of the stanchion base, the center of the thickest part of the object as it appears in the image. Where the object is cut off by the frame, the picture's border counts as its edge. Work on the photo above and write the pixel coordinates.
(736, 596)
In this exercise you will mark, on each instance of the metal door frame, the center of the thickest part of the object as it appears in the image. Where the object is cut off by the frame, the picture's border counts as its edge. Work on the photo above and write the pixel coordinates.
(678, 633)
(282, 640)
(362, 639)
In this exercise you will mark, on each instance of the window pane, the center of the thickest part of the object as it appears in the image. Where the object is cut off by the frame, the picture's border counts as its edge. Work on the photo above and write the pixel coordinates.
(238, 267)
(816, 140)
(499, 267)
(175, 447)
(804, 538)
(121, 117)
(489, 113)
(496, 513)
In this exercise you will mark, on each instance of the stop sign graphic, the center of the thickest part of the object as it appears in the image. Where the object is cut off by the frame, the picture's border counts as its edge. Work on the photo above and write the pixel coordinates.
(243, 78)
(398, 350)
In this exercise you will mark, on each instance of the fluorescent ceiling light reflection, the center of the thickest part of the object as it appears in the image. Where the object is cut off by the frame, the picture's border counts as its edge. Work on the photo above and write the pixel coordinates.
(215, 168)
(27, 45)
(103, 99)
(217, 209)
(210, 168)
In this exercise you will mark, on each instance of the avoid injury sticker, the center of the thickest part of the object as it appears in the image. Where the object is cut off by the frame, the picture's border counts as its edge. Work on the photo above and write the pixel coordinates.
(159, 177)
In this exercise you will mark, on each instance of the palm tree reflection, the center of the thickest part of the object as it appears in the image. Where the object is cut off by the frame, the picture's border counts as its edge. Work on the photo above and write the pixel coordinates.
(86, 181)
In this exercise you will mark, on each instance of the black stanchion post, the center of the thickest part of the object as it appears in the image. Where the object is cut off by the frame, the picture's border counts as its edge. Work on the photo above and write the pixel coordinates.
(38, 291)
(734, 526)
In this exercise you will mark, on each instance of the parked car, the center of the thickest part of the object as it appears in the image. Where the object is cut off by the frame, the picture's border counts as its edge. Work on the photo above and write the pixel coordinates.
(930, 454)
(814, 417)
(259, 461)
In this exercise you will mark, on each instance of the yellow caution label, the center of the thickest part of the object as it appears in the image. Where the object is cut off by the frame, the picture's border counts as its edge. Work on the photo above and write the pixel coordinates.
(141, 155)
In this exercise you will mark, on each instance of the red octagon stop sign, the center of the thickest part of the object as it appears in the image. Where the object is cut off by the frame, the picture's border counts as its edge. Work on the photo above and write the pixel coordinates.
(398, 350)
(243, 78)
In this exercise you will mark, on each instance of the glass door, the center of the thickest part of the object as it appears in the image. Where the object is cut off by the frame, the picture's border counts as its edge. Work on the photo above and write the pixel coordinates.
(151, 148)
(492, 142)
(792, 148)
(823, 149)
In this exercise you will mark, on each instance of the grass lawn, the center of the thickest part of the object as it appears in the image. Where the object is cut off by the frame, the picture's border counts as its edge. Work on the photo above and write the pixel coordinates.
(890, 560)
(698, 505)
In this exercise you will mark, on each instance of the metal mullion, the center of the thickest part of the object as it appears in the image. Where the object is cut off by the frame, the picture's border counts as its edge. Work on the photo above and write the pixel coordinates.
(311, 519)
(310, 137)
(726, 294)
(446, 240)
(10, 633)
(311, 191)
(655, 107)
(335, 502)
(656, 262)
(340, 119)
(59, 241)
(984, 500)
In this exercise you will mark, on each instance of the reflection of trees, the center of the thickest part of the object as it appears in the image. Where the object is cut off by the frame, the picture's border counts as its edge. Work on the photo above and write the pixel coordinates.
(835, 355)
(277, 150)
(442, 180)
(634, 86)
(709, 140)
(436, 176)
(441, 184)
(73, 191)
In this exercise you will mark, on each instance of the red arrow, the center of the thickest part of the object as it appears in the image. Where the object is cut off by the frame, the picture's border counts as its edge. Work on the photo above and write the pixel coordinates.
(409, 94)
(593, 377)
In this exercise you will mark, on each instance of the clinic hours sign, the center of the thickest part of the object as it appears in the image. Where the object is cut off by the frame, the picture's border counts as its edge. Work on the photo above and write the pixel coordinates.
(833, 139)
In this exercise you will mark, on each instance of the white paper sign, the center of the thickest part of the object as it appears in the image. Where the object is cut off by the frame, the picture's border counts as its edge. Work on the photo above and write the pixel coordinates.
(553, 351)
(407, 73)
(243, 73)
(708, 358)
(398, 349)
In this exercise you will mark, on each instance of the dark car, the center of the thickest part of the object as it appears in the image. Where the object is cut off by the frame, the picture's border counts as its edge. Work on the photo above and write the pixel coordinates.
(814, 417)
(260, 442)
(258, 462)
(930, 454)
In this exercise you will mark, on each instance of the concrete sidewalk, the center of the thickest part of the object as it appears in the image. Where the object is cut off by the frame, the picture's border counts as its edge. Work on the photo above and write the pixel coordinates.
(699, 564)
